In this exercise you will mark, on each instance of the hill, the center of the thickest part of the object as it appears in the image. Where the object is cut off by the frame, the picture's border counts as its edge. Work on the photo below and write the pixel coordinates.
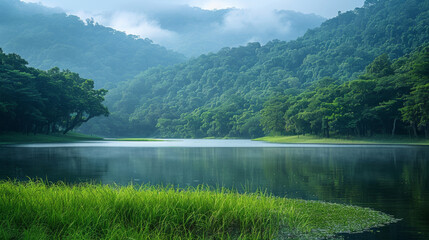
(222, 94)
(48, 38)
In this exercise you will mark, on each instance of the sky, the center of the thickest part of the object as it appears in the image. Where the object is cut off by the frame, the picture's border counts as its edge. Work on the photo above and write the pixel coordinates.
(255, 19)
(325, 8)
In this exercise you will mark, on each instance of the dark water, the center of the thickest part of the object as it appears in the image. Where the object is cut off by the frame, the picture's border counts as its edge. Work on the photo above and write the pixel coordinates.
(386, 178)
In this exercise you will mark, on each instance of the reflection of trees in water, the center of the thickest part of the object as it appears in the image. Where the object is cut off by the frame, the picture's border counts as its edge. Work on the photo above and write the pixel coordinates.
(227, 167)
(394, 180)
(53, 164)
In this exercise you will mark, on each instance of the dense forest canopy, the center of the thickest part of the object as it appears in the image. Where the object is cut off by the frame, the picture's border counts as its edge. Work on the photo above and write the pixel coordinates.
(389, 98)
(223, 94)
(48, 38)
(36, 101)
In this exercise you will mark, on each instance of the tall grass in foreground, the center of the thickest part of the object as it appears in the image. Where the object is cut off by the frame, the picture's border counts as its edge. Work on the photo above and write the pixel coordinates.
(38, 210)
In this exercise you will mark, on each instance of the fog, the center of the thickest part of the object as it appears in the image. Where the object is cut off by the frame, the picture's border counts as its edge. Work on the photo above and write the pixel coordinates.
(196, 27)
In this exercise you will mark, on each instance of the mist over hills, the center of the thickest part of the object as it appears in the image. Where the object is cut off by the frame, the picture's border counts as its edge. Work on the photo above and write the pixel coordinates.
(194, 31)
(222, 94)
(44, 36)
(48, 38)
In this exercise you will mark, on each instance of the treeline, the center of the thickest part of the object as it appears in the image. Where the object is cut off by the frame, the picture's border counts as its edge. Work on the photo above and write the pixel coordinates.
(36, 101)
(222, 94)
(389, 98)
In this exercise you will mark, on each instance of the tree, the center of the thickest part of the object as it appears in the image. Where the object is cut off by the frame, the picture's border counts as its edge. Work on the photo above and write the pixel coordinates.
(38, 101)
(272, 115)
(380, 67)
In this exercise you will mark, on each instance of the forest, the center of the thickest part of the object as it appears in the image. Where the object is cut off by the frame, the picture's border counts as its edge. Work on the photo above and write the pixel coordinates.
(358, 74)
(36, 101)
(389, 98)
(227, 94)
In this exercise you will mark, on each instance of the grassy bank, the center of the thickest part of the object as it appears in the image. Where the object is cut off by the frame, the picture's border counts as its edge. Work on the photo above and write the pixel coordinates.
(14, 138)
(351, 140)
(35, 210)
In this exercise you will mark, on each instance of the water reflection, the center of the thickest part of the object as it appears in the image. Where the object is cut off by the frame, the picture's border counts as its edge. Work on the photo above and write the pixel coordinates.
(389, 179)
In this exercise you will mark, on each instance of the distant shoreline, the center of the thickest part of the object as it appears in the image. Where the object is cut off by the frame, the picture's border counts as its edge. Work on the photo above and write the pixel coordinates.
(17, 138)
(311, 139)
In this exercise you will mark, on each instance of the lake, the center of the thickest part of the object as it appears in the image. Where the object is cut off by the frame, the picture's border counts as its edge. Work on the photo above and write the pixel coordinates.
(392, 179)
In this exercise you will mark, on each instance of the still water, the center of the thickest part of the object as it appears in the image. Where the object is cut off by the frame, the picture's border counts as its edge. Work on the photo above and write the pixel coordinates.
(392, 179)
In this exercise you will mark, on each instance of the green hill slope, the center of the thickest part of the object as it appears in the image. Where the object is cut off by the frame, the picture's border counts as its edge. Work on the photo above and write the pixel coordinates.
(222, 94)
(48, 38)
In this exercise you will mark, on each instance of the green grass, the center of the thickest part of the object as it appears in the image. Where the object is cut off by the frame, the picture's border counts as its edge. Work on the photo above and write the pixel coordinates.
(351, 140)
(14, 138)
(37, 210)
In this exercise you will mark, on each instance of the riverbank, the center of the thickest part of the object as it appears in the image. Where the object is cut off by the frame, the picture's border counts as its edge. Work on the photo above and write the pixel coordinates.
(404, 140)
(16, 138)
(36, 210)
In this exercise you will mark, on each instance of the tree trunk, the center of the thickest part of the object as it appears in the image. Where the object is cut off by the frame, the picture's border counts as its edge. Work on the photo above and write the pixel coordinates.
(394, 126)
(427, 131)
(76, 122)
(414, 129)
(327, 129)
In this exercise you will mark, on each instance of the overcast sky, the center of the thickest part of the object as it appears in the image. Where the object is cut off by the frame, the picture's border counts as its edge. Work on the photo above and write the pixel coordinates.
(139, 17)
(325, 8)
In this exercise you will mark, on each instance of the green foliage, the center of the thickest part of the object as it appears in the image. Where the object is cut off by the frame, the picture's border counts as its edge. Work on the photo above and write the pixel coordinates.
(374, 104)
(380, 67)
(56, 211)
(416, 107)
(38, 101)
(48, 38)
(222, 94)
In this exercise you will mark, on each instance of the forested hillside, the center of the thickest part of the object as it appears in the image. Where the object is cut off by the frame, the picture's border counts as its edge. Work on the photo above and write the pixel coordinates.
(47, 38)
(222, 94)
(36, 101)
(390, 98)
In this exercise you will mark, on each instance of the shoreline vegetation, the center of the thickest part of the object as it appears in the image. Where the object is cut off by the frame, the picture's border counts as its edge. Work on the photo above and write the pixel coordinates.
(375, 140)
(17, 138)
(42, 210)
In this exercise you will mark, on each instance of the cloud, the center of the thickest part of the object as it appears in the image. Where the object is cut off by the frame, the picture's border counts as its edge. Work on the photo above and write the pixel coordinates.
(184, 25)
(258, 21)
(136, 24)
(100, 6)
(326, 8)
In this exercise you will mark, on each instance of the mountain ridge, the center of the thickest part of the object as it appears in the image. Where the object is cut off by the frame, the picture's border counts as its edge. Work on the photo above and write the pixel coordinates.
(231, 86)
(48, 38)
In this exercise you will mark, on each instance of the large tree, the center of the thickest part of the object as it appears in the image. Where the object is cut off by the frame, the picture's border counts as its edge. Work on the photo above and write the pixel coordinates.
(33, 100)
